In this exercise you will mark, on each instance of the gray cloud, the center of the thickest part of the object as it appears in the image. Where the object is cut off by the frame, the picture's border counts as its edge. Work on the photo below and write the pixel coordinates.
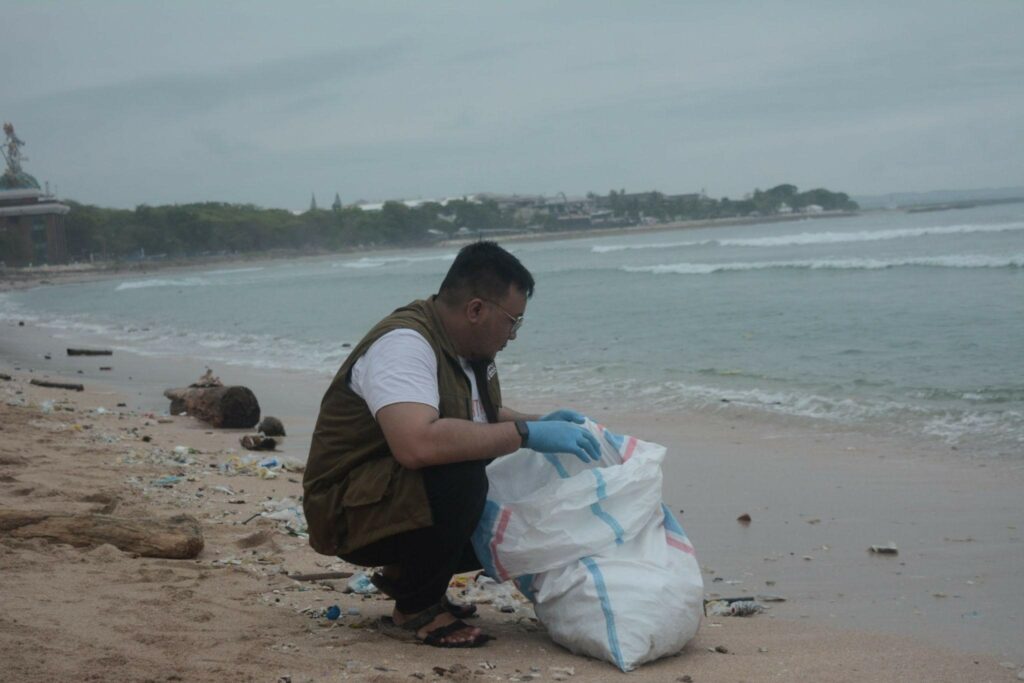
(274, 79)
(255, 102)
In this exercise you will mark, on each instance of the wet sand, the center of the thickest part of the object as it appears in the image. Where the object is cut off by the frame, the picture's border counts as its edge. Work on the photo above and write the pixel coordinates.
(946, 608)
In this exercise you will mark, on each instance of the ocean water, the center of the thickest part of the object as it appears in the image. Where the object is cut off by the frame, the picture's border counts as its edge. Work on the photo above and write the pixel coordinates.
(908, 324)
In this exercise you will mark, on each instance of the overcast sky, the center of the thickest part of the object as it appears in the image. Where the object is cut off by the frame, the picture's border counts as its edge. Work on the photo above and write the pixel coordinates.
(124, 103)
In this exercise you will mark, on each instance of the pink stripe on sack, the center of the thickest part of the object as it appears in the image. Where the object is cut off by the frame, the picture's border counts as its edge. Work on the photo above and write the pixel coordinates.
(630, 447)
(499, 536)
(676, 543)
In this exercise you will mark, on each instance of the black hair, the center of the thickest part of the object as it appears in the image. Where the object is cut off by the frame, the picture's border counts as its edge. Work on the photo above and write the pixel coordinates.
(483, 269)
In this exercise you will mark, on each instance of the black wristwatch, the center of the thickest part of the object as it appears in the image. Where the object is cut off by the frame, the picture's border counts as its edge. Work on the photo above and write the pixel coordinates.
(524, 432)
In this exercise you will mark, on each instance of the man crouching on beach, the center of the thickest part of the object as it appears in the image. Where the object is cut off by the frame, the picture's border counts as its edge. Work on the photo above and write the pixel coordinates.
(395, 476)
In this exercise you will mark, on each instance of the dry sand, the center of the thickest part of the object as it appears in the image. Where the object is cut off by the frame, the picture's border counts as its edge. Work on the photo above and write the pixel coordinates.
(947, 608)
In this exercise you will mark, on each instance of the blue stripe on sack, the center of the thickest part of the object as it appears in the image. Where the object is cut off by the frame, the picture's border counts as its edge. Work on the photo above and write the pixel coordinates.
(556, 463)
(525, 585)
(606, 607)
(483, 534)
(596, 508)
(671, 523)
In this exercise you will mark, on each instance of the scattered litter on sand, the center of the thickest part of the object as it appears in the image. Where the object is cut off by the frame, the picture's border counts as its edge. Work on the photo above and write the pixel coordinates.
(289, 511)
(254, 465)
(483, 590)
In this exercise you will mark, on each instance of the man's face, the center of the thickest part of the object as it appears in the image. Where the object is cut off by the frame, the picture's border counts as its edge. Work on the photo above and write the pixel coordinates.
(497, 322)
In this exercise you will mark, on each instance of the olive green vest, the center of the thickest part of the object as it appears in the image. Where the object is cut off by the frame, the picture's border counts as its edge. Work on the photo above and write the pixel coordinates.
(355, 492)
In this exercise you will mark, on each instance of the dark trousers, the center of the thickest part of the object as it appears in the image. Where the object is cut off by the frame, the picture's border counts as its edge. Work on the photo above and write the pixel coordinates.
(429, 557)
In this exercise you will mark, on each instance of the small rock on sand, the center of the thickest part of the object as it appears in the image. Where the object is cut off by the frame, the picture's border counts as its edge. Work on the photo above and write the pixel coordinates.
(271, 426)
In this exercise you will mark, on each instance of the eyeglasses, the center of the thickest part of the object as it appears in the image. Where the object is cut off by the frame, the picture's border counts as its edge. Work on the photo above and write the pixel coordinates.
(517, 322)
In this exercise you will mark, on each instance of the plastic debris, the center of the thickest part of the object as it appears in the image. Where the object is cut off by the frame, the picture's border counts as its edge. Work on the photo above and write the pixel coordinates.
(483, 590)
(561, 673)
(887, 549)
(333, 612)
(166, 481)
(732, 608)
(360, 583)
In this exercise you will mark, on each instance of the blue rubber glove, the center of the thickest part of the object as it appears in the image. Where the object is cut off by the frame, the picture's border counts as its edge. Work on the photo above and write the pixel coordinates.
(563, 437)
(565, 415)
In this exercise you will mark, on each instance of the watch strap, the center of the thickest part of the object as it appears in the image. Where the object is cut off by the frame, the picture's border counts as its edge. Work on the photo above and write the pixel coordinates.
(524, 432)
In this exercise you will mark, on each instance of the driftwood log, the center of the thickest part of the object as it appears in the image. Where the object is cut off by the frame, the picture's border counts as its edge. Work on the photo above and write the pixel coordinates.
(179, 537)
(57, 385)
(230, 407)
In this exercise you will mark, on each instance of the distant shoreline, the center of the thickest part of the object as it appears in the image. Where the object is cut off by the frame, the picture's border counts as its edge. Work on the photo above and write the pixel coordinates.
(13, 279)
(658, 227)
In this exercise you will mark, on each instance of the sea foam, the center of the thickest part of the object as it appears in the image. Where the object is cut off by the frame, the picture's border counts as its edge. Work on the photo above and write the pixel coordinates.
(378, 261)
(161, 282)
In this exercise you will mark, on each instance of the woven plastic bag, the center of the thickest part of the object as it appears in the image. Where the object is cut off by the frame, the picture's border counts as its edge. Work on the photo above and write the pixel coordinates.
(610, 571)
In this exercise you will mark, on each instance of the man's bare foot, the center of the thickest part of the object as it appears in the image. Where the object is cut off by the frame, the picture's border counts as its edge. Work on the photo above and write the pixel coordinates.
(469, 635)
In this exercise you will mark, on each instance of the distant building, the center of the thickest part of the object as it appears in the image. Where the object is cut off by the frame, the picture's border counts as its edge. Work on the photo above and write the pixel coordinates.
(32, 228)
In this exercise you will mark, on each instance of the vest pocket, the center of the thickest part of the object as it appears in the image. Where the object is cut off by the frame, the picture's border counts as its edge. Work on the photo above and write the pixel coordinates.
(382, 499)
(368, 483)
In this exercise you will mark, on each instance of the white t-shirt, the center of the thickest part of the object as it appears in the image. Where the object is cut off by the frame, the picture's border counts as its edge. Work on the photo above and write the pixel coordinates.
(401, 367)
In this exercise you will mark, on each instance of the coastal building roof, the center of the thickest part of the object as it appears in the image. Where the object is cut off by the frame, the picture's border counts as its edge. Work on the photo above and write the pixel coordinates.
(18, 181)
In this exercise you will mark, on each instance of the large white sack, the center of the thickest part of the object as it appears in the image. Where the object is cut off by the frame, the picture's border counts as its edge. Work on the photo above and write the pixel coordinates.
(609, 569)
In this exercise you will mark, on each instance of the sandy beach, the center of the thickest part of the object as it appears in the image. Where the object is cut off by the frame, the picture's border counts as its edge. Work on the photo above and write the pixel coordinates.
(947, 608)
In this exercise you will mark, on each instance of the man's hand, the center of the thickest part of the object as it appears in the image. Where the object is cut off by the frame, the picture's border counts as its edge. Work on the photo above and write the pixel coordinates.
(563, 437)
(565, 415)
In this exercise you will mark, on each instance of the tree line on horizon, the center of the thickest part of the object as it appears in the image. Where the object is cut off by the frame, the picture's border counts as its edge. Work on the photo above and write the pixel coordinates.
(186, 230)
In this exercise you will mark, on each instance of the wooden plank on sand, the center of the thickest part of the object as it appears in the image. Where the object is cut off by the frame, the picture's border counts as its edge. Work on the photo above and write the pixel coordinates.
(57, 385)
(90, 352)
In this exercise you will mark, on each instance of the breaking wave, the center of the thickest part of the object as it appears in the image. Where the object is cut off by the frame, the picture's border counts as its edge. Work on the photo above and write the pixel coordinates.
(378, 261)
(953, 261)
(162, 282)
(807, 238)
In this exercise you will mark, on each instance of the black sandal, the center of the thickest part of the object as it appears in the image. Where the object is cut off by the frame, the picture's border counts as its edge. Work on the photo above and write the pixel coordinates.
(436, 637)
(387, 587)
